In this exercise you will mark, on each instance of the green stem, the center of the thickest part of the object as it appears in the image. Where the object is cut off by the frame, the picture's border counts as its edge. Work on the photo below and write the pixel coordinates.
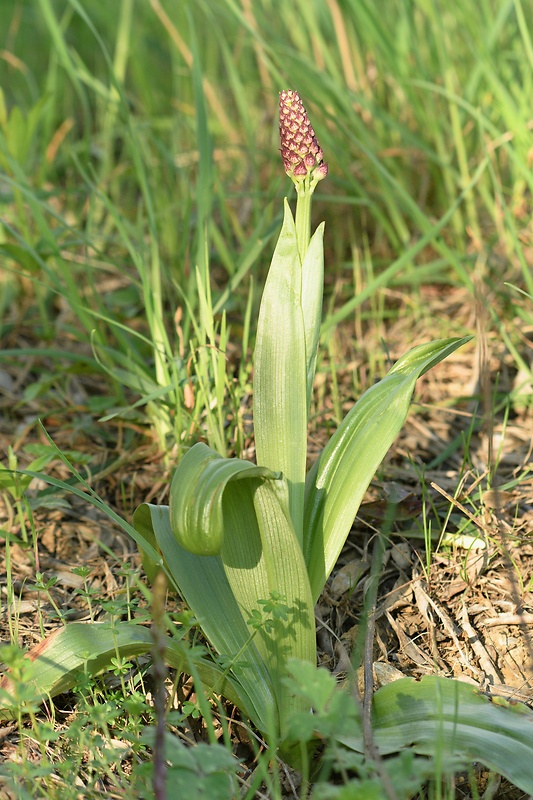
(303, 216)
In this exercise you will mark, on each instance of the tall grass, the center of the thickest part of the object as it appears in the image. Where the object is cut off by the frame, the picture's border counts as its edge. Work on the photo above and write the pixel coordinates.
(146, 181)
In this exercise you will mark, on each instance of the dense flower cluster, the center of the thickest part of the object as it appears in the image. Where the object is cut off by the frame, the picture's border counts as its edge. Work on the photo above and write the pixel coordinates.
(302, 155)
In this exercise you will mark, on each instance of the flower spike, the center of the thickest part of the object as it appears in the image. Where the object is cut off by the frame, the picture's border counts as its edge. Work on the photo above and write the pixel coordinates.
(301, 153)
(303, 160)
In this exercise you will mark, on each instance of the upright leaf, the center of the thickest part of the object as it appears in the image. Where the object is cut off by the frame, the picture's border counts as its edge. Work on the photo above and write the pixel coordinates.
(312, 292)
(280, 404)
(339, 478)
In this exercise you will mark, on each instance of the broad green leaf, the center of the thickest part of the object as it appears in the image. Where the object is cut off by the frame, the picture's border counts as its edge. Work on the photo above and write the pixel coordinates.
(196, 496)
(280, 371)
(259, 577)
(284, 571)
(202, 582)
(339, 478)
(449, 717)
(58, 661)
(142, 520)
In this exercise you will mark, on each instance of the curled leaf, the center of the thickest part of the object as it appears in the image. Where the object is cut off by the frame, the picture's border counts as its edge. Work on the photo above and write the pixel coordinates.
(196, 496)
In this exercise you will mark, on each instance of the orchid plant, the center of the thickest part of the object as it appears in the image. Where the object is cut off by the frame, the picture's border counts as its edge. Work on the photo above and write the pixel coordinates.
(249, 547)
